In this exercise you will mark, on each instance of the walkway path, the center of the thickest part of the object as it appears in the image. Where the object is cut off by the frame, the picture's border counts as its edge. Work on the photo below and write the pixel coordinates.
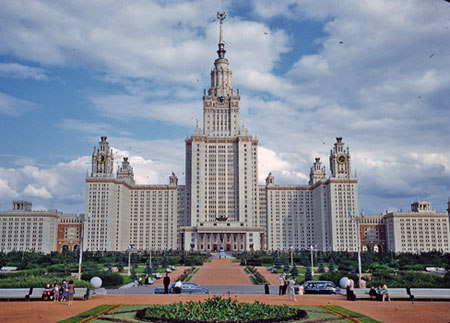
(268, 275)
(221, 272)
(173, 275)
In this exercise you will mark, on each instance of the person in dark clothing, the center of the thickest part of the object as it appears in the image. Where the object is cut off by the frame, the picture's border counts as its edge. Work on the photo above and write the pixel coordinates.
(166, 282)
(373, 293)
(266, 288)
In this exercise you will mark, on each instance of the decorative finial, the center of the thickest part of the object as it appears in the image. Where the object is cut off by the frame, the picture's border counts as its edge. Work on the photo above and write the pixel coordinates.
(221, 17)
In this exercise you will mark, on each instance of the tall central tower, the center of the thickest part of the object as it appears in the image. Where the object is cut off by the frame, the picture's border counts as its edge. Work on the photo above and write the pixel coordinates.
(221, 105)
(221, 162)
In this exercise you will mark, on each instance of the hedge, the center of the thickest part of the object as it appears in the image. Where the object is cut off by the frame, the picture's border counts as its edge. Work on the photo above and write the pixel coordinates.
(109, 279)
(39, 281)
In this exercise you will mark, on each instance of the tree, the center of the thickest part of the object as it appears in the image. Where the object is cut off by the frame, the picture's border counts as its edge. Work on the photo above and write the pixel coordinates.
(277, 262)
(308, 274)
(294, 270)
(164, 263)
(331, 265)
(286, 265)
(133, 274)
(155, 263)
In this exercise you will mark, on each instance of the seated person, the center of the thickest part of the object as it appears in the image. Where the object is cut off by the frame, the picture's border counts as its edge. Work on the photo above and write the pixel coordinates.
(373, 293)
(379, 291)
(47, 295)
(386, 293)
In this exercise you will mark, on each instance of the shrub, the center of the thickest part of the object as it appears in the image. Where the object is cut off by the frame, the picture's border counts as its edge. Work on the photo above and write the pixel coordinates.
(218, 309)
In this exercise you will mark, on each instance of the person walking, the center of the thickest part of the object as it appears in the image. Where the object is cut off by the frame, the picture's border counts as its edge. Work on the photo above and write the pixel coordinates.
(70, 292)
(290, 289)
(280, 284)
(166, 282)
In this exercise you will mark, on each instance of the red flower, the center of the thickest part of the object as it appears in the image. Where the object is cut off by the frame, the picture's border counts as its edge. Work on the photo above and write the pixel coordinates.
(233, 309)
(187, 307)
(200, 310)
(228, 292)
(240, 304)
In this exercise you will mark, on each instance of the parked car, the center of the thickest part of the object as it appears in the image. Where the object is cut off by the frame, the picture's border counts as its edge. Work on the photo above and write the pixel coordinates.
(188, 288)
(320, 287)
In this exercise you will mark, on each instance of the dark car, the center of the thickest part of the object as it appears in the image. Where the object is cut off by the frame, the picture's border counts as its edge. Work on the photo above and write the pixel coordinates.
(320, 287)
(188, 288)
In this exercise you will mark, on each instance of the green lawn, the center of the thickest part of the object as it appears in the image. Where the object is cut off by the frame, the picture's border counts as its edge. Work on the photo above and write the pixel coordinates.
(337, 314)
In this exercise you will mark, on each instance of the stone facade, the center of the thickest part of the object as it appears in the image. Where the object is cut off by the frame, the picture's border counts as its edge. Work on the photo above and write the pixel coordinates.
(22, 229)
(420, 230)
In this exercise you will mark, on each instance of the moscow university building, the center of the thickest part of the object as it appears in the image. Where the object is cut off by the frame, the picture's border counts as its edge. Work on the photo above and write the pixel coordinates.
(221, 204)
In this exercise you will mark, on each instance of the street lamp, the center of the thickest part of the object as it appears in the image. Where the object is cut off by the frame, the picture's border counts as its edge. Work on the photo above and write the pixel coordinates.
(80, 260)
(129, 259)
(150, 257)
(357, 219)
(312, 262)
(292, 257)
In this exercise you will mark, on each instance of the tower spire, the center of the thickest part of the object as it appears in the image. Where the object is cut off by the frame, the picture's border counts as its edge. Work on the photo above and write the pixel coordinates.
(221, 51)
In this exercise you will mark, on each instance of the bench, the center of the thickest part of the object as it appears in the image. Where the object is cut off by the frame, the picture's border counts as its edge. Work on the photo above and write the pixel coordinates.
(36, 293)
(397, 293)
(15, 293)
(82, 293)
(431, 293)
(401, 293)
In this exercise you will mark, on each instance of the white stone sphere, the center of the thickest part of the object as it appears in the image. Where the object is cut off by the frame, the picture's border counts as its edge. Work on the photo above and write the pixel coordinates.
(344, 282)
(96, 282)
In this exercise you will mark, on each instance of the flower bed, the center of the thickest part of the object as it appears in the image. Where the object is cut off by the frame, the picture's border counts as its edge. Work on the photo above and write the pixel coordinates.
(218, 309)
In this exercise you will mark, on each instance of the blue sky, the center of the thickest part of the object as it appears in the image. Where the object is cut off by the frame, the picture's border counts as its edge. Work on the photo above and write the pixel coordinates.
(376, 73)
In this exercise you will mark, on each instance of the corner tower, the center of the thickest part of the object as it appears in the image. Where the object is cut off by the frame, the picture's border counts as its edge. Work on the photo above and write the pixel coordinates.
(340, 160)
(102, 160)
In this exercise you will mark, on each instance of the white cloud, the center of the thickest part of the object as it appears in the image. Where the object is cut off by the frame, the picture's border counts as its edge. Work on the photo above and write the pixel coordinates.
(13, 107)
(15, 70)
(59, 186)
(379, 78)
(39, 192)
(140, 106)
(279, 166)
(6, 191)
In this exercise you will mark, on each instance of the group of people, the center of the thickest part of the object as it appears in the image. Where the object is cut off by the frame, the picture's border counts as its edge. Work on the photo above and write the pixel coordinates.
(177, 287)
(57, 293)
(286, 286)
(379, 293)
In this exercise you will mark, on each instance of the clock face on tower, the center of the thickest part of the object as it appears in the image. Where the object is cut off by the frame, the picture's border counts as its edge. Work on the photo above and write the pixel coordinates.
(341, 159)
(101, 158)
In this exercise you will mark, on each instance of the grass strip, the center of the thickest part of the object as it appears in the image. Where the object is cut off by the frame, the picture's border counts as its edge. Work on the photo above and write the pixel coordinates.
(91, 314)
(349, 315)
(361, 317)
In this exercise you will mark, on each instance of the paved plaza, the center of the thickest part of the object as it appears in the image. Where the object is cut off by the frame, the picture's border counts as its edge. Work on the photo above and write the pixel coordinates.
(218, 273)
